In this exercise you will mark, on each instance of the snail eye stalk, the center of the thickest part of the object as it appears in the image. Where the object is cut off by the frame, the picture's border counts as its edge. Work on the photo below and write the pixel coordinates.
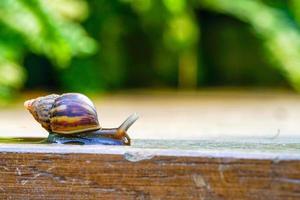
(72, 117)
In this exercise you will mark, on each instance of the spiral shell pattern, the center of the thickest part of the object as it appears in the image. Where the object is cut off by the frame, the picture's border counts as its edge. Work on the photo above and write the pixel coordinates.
(40, 109)
(73, 113)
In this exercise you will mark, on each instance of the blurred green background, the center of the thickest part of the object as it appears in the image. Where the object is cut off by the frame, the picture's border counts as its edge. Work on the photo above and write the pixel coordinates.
(104, 45)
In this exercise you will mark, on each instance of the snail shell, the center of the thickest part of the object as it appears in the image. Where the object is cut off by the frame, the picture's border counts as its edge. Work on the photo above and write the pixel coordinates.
(64, 114)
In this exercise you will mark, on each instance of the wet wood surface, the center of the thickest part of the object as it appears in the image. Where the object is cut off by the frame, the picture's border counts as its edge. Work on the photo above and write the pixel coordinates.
(262, 165)
(32, 171)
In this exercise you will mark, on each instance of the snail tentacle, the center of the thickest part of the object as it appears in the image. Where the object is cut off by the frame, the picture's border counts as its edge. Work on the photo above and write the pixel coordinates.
(72, 118)
(128, 122)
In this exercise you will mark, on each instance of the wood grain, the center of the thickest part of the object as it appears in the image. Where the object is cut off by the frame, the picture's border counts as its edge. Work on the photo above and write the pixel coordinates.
(97, 172)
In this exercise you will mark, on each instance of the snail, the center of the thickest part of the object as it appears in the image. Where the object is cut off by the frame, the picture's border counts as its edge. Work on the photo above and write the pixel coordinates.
(72, 118)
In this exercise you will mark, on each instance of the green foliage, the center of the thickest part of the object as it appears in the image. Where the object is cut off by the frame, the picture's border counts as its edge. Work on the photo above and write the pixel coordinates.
(37, 26)
(281, 38)
(149, 43)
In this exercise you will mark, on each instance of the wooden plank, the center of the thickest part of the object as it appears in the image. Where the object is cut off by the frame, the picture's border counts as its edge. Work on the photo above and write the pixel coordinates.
(30, 171)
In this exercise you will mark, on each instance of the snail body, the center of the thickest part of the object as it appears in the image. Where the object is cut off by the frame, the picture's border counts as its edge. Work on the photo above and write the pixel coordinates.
(72, 118)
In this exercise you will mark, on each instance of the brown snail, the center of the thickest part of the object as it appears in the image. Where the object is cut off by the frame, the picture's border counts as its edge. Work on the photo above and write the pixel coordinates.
(72, 118)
